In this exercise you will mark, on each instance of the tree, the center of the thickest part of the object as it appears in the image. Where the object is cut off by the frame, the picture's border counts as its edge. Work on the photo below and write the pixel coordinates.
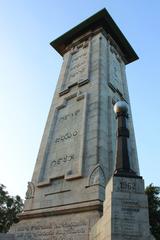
(154, 209)
(9, 208)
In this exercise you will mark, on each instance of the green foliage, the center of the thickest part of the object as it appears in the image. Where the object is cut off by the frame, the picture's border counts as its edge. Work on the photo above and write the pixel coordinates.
(9, 208)
(154, 209)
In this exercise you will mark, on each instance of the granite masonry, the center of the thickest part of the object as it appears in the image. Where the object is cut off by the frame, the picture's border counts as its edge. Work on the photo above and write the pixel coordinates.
(76, 160)
(125, 211)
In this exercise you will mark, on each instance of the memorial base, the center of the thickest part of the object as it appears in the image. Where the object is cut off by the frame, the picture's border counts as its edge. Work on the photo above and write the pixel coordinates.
(125, 212)
(63, 227)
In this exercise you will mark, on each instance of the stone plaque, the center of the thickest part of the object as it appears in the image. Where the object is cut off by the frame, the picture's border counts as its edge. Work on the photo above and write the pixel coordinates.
(115, 71)
(127, 185)
(77, 69)
(69, 230)
(65, 155)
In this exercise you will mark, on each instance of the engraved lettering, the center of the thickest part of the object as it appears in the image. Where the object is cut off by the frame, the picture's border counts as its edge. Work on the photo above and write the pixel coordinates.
(127, 187)
(59, 161)
(75, 133)
(66, 136)
(75, 58)
(76, 112)
(130, 206)
(78, 66)
(62, 138)
(61, 231)
(53, 163)
(57, 139)
(68, 116)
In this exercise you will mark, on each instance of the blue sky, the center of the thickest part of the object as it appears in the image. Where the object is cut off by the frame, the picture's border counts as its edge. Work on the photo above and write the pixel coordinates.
(29, 70)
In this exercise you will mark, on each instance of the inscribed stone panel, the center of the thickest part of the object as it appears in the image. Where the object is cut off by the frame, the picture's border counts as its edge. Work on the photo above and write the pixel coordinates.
(115, 71)
(52, 230)
(78, 66)
(65, 153)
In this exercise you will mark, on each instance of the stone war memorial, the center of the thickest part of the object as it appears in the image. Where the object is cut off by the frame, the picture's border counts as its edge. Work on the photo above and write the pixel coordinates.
(86, 183)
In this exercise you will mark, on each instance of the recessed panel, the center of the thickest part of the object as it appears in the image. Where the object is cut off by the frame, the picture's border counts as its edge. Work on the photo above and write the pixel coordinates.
(65, 151)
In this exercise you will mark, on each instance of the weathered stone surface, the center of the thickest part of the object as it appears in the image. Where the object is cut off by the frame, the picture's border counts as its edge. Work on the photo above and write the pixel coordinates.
(125, 213)
(7, 236)
(76, 159)
(78, 145)
(63, 227)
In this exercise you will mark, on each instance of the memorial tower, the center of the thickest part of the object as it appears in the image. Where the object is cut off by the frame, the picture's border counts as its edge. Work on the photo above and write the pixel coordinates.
(77, 154)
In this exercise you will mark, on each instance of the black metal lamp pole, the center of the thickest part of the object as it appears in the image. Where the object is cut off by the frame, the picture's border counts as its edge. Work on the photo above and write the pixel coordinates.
(122, 156)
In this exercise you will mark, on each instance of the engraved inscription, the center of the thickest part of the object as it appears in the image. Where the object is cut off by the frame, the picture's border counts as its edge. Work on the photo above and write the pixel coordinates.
(69, 115)
(116, 72)
(66, 136)
(125, 220)
(78, 66)
(130, 237)
(130, 206)
(57, 231)
(127, 186)
(65, 147)
(130, 225)
(62, 160)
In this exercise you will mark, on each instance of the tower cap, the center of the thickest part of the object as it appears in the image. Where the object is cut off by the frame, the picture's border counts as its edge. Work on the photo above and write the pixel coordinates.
(100, 19)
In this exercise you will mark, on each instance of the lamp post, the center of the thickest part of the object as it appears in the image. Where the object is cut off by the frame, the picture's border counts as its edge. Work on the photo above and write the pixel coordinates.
(122, 156)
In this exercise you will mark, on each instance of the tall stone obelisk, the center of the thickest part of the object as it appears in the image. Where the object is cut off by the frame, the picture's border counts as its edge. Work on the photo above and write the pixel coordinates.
(76, 159)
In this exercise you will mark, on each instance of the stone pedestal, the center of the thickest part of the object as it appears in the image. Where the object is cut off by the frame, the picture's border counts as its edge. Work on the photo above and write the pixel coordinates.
(125, 215)
(74, 226)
